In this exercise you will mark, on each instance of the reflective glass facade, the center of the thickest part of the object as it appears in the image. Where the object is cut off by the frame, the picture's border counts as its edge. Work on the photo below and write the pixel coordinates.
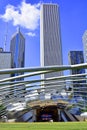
(76, 57)
(17, 48)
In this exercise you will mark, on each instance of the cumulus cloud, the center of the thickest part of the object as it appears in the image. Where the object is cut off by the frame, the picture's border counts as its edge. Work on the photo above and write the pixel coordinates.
(25, 15)
(31, 34)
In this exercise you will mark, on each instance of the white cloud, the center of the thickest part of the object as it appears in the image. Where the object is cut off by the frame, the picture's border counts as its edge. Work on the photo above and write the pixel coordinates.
(31, 34)
(25, 15)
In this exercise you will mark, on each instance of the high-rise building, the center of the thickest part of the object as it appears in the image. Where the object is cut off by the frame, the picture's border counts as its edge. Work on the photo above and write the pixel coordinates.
(76, 57)
(5, 63)
(84, 39)
(17, 48)
(50, 38)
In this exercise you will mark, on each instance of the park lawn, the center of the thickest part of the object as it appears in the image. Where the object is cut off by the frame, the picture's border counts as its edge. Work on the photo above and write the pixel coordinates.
(44, 126)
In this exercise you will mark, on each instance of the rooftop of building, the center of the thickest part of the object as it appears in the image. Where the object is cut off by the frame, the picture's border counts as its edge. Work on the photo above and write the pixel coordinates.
(18, 31)
(50, 4)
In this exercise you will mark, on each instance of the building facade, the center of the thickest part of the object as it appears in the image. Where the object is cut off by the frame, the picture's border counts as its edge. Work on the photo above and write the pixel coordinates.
(77, 57)
(5, 63)
(50, 38)
(17, 48)
(84, 39)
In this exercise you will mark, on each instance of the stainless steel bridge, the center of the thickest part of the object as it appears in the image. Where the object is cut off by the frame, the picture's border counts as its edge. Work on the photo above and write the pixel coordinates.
(11, 85)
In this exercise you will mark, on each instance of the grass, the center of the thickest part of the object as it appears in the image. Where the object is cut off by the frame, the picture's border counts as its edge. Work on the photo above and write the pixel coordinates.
(44, 126)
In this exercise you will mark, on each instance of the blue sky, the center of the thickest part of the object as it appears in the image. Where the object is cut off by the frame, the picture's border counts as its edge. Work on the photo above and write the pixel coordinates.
(73, 21)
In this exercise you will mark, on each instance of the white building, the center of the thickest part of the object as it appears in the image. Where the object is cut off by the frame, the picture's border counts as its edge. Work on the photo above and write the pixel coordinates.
(5, 63)
(50, 38)
(84, 39)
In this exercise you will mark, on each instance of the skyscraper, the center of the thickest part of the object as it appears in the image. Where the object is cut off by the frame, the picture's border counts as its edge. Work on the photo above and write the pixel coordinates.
(17, 48)
(84, 39)
(50, 38)
(76, 57)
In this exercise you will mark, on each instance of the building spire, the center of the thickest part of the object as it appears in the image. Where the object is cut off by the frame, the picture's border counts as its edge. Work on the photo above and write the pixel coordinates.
(18, 29)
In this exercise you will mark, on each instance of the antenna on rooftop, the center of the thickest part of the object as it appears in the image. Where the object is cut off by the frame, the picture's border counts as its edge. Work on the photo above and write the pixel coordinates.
(5, 40)
(18, 29)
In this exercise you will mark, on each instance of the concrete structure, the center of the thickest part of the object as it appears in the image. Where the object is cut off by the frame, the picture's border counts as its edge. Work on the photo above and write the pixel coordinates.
(5, 63)
(76, 57)
(50, 38)
(84, 39)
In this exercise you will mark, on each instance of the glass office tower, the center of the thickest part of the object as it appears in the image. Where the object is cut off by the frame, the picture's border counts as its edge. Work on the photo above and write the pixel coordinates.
(76, 57)
(17, 48)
